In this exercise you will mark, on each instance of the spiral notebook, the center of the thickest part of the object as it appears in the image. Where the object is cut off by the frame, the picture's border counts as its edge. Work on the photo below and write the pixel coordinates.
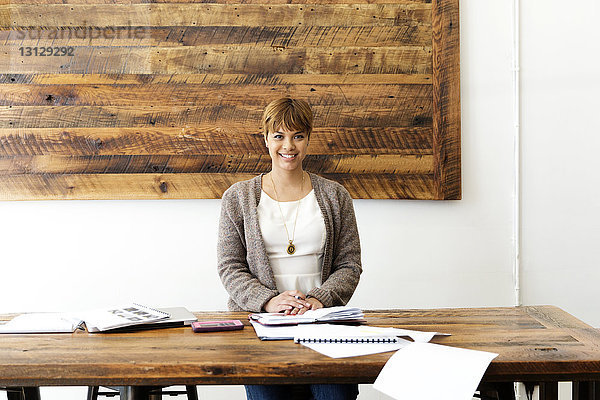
(349, 339)
(338, 341)
(329, 333)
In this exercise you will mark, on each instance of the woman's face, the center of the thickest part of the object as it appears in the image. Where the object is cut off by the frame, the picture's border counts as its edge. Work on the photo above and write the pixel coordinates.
(287, 148)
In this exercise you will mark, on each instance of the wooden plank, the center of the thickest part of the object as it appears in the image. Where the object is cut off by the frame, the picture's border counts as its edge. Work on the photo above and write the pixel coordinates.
(207, 14)
(116, 186)
(207, 138)
(215, 1)
(386, 186)
(216, 79)
(17, 117)
(446, 99)
(252, 36)
(400, 96)
(127, 164)
(187, 186)
(223, 59)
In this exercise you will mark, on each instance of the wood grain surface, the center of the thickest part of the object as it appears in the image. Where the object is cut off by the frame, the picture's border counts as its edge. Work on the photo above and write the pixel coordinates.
(534, 343)
(163, 100)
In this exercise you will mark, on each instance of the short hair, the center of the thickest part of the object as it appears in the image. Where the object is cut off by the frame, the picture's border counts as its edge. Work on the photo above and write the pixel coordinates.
(288, 113)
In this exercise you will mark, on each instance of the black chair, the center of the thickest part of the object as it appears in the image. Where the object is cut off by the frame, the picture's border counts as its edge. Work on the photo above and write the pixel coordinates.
(496, 391)
(22, 393)
(153, 393)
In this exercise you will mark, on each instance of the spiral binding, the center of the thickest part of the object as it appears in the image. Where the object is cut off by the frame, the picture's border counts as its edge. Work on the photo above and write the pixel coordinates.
(160, 313)
(358, 339)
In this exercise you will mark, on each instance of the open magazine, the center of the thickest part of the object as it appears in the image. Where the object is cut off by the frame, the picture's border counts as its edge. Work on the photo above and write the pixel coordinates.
(105, 319)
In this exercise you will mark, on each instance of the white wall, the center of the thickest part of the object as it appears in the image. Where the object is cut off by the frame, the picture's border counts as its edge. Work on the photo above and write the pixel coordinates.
(67, 255)
(561, 137)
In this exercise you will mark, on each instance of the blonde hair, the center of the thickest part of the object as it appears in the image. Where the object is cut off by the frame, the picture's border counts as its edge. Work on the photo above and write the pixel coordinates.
(288, 113)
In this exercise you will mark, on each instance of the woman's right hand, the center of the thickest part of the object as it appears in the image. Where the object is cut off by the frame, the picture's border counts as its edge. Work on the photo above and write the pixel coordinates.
(288, 302)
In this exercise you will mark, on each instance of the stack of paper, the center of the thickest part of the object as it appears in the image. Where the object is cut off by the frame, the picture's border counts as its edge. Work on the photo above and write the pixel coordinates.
(338, 314)
(288, 332)
(328, 333)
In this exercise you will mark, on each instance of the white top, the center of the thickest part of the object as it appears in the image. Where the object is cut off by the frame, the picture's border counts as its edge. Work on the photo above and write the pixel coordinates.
(301, 270)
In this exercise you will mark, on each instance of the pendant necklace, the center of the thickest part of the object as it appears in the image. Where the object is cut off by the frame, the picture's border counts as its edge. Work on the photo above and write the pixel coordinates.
(291, 248)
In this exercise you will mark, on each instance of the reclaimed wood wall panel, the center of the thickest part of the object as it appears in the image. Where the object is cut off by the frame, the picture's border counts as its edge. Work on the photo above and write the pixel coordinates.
(164, 99)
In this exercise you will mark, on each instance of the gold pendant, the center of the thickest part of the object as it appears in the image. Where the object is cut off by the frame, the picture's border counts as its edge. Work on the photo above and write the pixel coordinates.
(291, 249)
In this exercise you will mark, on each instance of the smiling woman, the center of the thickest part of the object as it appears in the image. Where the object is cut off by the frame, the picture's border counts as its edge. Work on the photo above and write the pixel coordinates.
(288, 240)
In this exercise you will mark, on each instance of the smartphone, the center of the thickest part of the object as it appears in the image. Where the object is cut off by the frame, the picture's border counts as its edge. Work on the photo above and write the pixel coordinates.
(214, 326)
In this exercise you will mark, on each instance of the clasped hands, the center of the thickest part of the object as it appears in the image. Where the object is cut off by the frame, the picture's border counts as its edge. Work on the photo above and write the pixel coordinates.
(292, 302)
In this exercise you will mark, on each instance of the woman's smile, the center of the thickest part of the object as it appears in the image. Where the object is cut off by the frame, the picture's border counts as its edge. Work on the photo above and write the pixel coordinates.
(287, 148)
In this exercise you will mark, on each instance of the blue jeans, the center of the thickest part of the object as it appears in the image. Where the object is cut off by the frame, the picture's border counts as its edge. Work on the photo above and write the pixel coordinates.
(304, 392)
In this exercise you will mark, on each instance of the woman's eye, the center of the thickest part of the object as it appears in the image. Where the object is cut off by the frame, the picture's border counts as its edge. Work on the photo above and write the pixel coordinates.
(299, 137)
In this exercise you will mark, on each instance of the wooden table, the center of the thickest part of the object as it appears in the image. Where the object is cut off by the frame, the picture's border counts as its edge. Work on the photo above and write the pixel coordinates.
(540, 344)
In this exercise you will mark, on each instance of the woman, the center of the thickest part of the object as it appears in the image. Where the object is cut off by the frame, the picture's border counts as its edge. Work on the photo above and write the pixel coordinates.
(288, 240)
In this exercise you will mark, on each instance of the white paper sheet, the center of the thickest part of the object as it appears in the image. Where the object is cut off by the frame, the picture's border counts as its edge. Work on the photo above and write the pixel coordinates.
(41, 323)
(428, 371)
(281, 332)
(342, 350)
(417, 336)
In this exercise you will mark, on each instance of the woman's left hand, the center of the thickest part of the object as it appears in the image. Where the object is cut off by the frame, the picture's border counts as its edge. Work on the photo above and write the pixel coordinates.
(314, 305)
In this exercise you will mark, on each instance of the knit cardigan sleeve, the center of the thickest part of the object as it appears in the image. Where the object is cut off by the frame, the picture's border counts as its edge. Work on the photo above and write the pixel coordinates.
(245, 290)
(342, 267)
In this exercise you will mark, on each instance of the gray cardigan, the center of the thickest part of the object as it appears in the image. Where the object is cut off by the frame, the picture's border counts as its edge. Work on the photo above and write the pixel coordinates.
(243, 264)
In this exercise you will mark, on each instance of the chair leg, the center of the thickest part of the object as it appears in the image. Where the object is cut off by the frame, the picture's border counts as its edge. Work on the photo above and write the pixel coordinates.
(155, 393)
(14, 393)
(192, 393)
(92, 393)
(506, 391)
(529, 388)
(497, 390)
(31, 393)
(548, 390)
